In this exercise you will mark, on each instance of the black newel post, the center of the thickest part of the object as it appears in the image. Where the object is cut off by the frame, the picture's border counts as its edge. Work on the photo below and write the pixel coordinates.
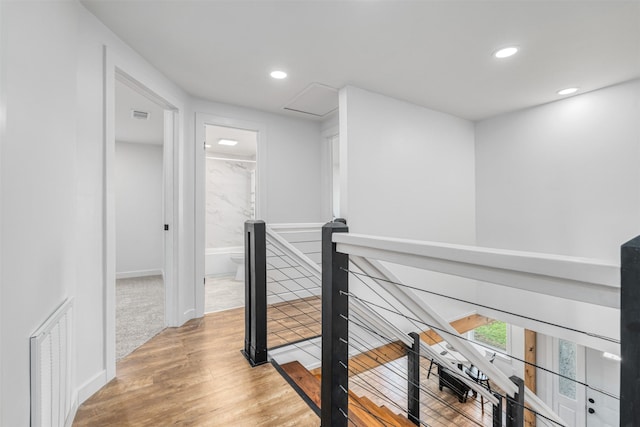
(255, 292)
(335, 329)
(515, 405)
(630, 333)
(497, 411)
(413, 382)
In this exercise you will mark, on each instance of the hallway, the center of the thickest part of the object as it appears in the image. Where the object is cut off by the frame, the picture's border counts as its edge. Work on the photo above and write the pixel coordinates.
(195, 375)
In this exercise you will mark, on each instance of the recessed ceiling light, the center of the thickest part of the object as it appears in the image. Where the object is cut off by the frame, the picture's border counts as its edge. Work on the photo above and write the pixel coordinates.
(568, 91)
(506, 52)
(230, 142)
(278, 74)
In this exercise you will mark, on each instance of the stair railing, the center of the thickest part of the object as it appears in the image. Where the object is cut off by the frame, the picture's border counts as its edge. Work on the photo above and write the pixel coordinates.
(583, 280)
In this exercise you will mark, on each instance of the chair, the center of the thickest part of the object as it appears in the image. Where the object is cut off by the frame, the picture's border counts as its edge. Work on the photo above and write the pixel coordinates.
(479, 377)
(446, 379)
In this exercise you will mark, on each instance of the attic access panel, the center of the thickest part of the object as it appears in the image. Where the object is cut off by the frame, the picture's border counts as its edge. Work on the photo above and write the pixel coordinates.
(316, 100)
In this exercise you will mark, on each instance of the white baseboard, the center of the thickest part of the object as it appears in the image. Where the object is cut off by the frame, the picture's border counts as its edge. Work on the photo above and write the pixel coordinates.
(139, 273)
(188, 315)
(87, 390)
(73, 411)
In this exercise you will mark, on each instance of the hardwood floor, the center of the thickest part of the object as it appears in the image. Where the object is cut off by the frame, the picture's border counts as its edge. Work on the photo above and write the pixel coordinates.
(291, 321)
(196, 376)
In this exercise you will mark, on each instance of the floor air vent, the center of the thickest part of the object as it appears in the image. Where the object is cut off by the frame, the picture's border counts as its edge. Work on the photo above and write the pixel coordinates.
(51, 402)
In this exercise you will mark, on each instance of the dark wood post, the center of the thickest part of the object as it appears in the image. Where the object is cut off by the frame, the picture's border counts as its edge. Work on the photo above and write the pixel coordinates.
(497, 411)
(255, 292)
(335, 330)
(515, 405)
(630, 333)
(413, 380)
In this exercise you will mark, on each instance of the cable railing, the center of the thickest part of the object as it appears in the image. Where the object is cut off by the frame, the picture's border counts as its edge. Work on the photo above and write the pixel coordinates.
(380, 340)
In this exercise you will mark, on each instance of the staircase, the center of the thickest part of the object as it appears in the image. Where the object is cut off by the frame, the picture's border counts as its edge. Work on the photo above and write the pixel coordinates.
(362, 411)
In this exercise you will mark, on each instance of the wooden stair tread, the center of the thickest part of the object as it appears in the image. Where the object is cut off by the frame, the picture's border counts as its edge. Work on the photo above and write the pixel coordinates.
(387, 417)
(362, 411)
(401, 420)
(304, 379)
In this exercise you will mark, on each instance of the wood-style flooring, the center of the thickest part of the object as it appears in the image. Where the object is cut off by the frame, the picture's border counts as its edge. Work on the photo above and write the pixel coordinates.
(294, 320)
(195, 376)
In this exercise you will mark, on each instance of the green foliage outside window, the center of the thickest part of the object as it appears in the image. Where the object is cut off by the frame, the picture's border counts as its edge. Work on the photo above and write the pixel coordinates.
(493, 334)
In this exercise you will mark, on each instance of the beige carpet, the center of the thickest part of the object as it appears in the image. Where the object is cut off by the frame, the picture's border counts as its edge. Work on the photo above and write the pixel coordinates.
(139, 312)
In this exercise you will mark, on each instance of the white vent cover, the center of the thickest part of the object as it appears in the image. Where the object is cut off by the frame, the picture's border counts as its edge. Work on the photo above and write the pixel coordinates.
(140, 115)
(317, 100)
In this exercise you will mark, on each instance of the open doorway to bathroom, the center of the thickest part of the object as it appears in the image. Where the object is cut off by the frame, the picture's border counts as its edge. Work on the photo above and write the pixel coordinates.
(230, 177)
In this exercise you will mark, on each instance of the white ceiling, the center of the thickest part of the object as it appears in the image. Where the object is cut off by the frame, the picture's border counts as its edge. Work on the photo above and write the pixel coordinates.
(129, 129)
(245, 149)
(433, 53)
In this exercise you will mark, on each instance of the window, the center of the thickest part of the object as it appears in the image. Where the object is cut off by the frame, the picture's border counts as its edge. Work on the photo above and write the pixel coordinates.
(494, 334)
(567, 358)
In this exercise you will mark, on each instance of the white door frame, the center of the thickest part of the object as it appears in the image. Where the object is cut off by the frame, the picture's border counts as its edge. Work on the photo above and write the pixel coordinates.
(117, 68)
(203, 119)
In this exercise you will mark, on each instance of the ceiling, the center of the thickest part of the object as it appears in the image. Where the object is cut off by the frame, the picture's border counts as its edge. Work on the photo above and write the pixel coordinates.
(433, 53)
(244, 149)
(130, 129)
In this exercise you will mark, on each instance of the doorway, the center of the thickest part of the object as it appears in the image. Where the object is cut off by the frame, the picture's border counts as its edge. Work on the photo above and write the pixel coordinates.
(139, 188)
(603, 373)
(230, 187)
(569, 395)
(207, 121)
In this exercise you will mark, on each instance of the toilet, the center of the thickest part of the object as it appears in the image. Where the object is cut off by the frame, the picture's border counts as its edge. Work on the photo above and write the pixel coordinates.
(238, 258)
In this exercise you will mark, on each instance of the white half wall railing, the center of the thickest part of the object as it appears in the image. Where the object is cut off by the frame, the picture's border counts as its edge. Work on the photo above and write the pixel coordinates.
(579, 279)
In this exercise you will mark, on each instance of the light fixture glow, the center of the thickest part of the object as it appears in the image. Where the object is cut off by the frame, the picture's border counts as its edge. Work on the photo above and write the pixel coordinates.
(506, 52)
(277, 74)
(611, 356)
(568, 91)
(230, 142)
(207, 145)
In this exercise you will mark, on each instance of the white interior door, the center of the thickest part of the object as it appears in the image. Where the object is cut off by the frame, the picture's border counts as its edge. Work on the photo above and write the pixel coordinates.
(569, 396)
(603, 373)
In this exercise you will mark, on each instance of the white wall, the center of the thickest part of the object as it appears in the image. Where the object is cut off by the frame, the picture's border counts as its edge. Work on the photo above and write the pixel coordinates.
(288, 185)
(561, 178)
(139, 219)
(410, 174)
(410, 170)
(292, 170)
(53, 186)
(39, 176)
(93, 366)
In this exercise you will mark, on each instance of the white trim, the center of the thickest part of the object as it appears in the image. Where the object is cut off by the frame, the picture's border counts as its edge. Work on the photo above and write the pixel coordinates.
(579, 279)
(297, 227)
(133, 76)
(201, 120)
(87, 389)
(225, 250)
(189, 314)
(139, 273)
(3, 125)
(326, 169)
(72, 411)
